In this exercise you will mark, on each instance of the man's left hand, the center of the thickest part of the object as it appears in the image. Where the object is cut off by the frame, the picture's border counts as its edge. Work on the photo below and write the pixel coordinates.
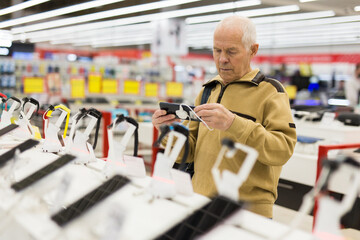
(215, 115)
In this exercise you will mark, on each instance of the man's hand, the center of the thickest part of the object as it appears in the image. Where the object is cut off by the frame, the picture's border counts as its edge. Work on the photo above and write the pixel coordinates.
(159, 118)
(215, 115)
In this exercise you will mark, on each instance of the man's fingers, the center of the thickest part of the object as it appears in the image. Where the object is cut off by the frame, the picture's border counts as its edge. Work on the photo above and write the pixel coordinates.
(159, 113)
(207, 106)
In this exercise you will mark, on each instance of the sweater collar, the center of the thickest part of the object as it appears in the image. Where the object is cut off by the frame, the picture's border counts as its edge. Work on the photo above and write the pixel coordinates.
(254, 77)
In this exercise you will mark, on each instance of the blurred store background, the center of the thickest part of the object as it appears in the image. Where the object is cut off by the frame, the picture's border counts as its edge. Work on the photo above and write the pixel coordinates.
(128, 55)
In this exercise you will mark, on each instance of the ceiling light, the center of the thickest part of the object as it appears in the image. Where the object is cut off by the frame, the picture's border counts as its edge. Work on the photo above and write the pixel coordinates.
(21, 6)
(143, 18)
(5, 38)
(126, 42)
(89, 41)
(293, 17)
(101, 15)
(86, 34)
(315, 22)
(56, 12)
(303, 1)
(248, 13)
(357, 8)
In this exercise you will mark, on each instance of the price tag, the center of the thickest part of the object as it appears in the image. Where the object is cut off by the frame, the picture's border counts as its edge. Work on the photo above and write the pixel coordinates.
(151, 89)
(77, 87)
(33, 85)
(110, 86)
(182, 181)
(132, 87)
(94, 83)
(174, 89)
(135, 166)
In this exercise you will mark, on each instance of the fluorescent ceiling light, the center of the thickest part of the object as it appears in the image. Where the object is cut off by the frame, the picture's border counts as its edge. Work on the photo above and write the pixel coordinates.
(101, 15)
(293, 17)
(142, 18)
(21, 6)
(248, 13)
(124, 42)
(357, 8)
(89, 41)
(86, 34)
(57, 12)
(331, 28)
(303, 1)
(210, 26)
(313, 22)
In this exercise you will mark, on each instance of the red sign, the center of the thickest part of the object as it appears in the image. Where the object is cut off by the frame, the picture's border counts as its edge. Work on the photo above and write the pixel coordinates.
(308, 58)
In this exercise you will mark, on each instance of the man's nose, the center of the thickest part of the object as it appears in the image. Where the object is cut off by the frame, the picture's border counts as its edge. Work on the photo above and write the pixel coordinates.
(223, 58)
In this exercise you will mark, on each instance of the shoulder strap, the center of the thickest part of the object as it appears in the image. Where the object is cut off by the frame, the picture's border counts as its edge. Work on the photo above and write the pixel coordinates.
(206, 93)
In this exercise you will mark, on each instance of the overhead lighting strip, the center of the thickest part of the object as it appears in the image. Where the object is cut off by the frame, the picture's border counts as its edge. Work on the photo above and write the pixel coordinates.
(312, 22)
(86, 34)
(21, 6)
(248, 13)
(57, 12)
(89, 41)
(144, 18)
(102, 15)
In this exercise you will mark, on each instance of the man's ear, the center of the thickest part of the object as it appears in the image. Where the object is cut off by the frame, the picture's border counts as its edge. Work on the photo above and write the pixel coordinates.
(254, 49)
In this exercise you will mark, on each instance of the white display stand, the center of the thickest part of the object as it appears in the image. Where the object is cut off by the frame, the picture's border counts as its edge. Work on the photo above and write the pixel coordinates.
(301, 167)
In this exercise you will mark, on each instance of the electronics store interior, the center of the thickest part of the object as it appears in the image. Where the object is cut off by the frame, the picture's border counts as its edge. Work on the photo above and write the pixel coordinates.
(109, 110)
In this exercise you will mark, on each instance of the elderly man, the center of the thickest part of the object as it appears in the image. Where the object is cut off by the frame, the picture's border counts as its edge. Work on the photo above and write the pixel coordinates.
(246, 107)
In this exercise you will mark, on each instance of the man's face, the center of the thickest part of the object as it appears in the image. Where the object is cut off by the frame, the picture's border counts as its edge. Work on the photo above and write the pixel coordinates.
(231, 58)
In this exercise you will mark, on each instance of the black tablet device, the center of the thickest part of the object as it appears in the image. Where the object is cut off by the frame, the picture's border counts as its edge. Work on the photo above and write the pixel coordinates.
(89, 200)
(7, 129)
(7, 156)
(203, 220)
(172, 108)
(43, 172)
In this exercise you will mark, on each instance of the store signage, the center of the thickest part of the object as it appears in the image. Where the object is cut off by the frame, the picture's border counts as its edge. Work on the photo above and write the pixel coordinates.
(151, 89)
(132, 87)
(174, 89)
(33, 85)
(110, 86)
(77, 87)
(94, 83)
(308, 58)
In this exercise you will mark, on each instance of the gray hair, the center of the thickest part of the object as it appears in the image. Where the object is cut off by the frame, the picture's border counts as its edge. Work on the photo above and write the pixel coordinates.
(245, 25)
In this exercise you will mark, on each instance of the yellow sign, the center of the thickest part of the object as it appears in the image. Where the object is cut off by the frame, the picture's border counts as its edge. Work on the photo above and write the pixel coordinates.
(291, 90)
(94, 83)
(151, 89)
(77, 87)
(33, 85)
(174, 89)
(110, 86)
(132, 87)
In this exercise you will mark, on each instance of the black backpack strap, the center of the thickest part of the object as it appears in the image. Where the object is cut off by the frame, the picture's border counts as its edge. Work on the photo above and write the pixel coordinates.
(207, 91)
(189, 167)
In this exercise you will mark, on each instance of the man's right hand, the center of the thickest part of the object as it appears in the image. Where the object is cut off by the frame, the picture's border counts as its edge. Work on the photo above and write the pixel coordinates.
(159, 118)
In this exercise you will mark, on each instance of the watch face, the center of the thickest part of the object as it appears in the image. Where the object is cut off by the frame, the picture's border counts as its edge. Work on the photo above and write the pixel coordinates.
(22, 147)
(43, 172)
(89, 200)
(204, 219)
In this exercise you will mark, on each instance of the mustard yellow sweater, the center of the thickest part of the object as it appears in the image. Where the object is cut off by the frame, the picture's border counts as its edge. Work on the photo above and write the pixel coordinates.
(263, 121)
